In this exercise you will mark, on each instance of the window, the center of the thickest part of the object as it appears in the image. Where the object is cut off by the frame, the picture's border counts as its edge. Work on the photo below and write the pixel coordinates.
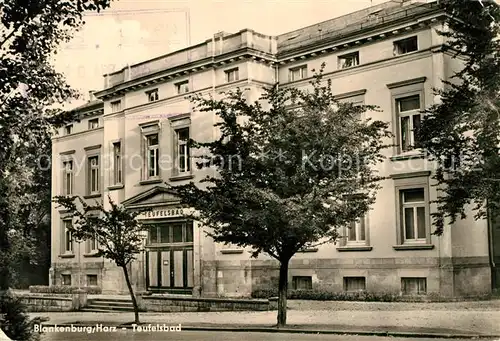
(302, 282)
(153, 155)
(91, 245)
(67, 237)
(414, 285)
(413, 214)
(409, 114)
(91, 280)
(68, 177)
(66, 280)
(356, 233)
(182, 87)
(298, 73)
(168, 233)
(117, 163)
(232, 75)
(93, 181)
(405, 46)
(348, 60)
(152, 95)
(352, 284)
(183, 159)
(93, 123)
(116, 106)
(68, 129)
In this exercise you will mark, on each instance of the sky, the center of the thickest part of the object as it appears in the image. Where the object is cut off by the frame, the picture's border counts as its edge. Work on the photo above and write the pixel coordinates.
(133, 31)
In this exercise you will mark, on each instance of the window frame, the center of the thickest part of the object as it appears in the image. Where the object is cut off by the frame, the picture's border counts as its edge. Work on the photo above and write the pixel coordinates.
(93, 170)
(186, 224)
(302, 69)
(148, 129)
(398, 91)
(179, 87)
(397, 45)
(346, 280)
(71, 175)
(297, 279)
(177, 147)
(155, 95)
(117, 170)
(418, 293)
(70, 279)
(114, 104)
(96, 279)
(65, 242)
(70, 127)
(411, 129)
(235, 71)
(345, 57)
(91, 123)
(407, 182)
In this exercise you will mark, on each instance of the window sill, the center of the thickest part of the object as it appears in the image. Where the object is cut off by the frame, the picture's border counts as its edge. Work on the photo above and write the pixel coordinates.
(231, 251)
(91, 196)
(312, 249)
(113, 187)
(354, 248)
(150, 181)
(181, 177)
(67, 255)
(408, 156)
(405, 247)
(91, 254)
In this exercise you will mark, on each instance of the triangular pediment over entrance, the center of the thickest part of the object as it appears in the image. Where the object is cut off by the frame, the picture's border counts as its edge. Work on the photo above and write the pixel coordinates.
(155, 196)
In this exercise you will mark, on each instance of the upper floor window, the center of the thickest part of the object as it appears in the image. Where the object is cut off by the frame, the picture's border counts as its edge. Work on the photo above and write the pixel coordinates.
(182, 87)
(232, 75)
(93, 123)
(68, 177)
(183, 159)
(117, 163)
(413, 214)
(152, 95)
(91, 245)
(153, 155)
(409, 116)
(68, 129)
(348, 60)
(116, 106)
(406, 45)
(93, 181)
(298, 73)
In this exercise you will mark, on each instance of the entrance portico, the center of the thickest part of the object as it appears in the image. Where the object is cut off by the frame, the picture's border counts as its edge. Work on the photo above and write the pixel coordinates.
(171, 257)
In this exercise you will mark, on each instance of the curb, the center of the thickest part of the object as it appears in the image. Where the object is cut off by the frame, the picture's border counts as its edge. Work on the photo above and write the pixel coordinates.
(306, 331)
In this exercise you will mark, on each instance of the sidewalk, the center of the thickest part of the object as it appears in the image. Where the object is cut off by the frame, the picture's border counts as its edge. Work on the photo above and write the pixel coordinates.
(472, 319)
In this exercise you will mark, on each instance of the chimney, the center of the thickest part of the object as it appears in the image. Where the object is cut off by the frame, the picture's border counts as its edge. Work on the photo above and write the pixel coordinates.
(91, 95)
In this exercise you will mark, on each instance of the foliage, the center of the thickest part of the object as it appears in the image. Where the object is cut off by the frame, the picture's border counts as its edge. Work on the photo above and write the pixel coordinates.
(63, 289)
(289, 176)
(118, 233)
(14, 321)
(461, 132)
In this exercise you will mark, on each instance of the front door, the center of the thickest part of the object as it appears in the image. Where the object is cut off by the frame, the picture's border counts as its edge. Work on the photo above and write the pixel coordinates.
(169, 260)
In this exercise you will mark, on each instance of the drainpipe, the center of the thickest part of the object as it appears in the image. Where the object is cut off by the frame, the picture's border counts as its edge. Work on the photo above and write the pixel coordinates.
(491, 249)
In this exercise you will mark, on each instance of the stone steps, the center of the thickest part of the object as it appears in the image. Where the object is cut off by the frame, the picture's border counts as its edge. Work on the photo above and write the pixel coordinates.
(109, 305)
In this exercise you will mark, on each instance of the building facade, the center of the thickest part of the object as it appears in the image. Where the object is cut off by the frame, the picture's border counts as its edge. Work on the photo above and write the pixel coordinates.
(132, 140)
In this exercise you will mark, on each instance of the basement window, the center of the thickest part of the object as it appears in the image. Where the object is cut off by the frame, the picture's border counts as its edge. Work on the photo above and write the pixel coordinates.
(353, 284)
(414, 285)
(92, 280)
(66, 280)
(302, 282)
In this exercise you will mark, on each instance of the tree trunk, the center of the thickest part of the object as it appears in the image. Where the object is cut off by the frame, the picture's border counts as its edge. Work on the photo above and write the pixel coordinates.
(132, 295)
(282, 292)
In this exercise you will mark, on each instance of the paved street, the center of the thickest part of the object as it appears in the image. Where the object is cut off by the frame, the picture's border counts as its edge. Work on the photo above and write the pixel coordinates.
(214, 336)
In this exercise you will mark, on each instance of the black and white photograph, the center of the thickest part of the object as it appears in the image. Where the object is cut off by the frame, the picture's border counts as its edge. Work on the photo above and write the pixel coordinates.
(249, 170)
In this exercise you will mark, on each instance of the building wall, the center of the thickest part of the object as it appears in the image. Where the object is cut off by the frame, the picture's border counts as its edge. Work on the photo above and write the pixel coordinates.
(454, 264)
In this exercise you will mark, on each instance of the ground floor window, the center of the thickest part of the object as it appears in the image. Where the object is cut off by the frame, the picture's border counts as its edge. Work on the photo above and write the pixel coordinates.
(66, 279)
(352, 284)
(91, 280)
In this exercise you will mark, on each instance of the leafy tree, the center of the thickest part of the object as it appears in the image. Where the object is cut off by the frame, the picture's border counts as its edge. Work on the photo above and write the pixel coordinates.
(286, 179)
(461, 131)
(30, 32)
(117, 231)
